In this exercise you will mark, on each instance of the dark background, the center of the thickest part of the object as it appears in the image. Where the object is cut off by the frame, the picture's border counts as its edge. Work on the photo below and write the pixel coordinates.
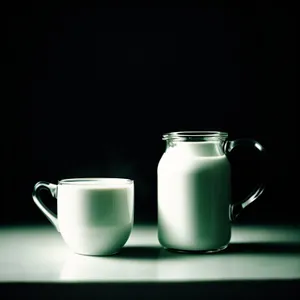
(92, 90)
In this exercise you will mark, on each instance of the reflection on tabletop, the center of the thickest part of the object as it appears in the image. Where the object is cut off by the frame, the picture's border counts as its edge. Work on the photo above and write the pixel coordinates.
(39, 254)
(255, 253)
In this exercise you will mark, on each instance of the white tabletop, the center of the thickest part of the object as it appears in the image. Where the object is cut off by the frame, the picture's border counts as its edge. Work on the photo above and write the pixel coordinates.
(257, 253)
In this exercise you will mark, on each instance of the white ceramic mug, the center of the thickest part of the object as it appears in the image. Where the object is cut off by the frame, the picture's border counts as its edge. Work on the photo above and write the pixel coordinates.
(94, 215)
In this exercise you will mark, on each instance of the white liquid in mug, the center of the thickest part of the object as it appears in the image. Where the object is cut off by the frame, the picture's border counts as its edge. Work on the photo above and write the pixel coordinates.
(194, 197)
(95, 219)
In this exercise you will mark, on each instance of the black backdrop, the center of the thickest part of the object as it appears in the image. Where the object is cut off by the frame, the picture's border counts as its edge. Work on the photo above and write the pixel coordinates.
(92, 90)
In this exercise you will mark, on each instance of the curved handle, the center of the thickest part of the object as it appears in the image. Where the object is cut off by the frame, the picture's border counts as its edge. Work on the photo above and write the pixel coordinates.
(40, 204)
(236, 208)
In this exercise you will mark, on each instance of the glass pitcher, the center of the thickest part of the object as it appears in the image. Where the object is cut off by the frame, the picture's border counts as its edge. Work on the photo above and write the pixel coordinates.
(194, 191)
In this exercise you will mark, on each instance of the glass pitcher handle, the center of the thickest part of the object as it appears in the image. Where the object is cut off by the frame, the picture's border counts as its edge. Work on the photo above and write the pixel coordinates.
(236, 208)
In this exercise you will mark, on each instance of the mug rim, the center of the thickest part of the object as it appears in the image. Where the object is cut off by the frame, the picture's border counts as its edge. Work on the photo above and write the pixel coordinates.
(95, 180)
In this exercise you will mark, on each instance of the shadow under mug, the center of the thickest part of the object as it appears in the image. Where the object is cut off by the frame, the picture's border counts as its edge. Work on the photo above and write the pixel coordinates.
(94, 215)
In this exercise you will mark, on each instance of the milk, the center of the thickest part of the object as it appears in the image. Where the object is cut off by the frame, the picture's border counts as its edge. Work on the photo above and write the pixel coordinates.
(95, 218)
(193, 197)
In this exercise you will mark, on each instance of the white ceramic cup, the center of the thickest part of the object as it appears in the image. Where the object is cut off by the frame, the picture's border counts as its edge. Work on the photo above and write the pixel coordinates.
(94, 215)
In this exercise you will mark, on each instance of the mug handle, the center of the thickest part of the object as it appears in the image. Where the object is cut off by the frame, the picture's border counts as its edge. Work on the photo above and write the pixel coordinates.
(236, 208)
(44, 185)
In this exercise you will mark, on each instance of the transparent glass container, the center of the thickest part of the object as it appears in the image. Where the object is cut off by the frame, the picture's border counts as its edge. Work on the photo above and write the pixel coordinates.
(194, 191)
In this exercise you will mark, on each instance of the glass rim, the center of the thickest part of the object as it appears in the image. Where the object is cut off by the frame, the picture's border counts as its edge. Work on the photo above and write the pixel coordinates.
(195, 134)
(95, 181)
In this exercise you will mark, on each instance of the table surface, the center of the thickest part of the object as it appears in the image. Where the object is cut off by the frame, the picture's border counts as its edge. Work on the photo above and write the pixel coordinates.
(39, 254)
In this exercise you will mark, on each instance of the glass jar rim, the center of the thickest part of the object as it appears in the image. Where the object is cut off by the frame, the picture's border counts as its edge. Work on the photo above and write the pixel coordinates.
(195, 135)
